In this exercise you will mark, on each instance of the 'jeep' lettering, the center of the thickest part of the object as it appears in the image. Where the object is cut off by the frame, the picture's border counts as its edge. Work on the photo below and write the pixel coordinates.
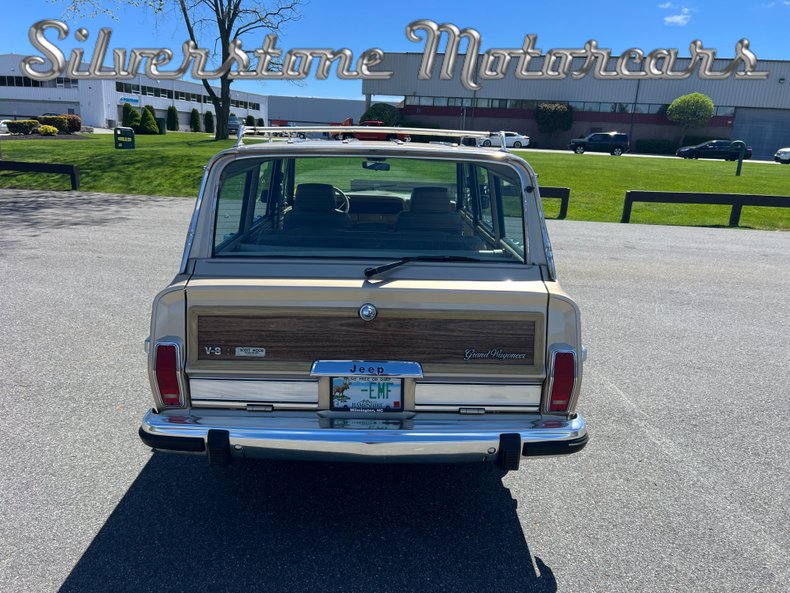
(363, 370)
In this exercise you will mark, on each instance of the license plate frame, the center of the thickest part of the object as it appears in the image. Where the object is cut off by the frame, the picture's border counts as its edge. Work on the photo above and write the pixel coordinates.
(366, 394)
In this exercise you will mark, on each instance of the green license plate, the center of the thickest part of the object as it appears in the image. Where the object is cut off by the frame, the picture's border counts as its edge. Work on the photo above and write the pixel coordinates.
(367, 394)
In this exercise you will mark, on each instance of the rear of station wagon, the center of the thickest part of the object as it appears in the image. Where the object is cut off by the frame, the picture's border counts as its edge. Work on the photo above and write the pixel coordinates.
(366, 301)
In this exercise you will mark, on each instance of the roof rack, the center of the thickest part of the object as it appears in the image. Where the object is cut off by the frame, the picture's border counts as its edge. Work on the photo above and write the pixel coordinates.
(395, 131)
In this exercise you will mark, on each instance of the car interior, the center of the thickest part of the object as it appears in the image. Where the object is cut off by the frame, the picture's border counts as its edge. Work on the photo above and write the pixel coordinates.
(277, 206)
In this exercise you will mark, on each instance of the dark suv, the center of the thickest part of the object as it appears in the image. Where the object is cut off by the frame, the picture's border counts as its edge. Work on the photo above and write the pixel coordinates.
(233, 125)
(615, 143)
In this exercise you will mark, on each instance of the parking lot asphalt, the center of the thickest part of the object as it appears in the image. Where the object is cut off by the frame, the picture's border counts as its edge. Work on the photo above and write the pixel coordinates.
(683, 487)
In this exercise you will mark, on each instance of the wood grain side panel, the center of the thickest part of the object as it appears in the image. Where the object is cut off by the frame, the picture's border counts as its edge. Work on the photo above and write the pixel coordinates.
(427, 340)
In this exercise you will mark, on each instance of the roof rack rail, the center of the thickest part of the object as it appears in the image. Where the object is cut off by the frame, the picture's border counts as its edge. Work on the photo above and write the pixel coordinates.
(395, 131)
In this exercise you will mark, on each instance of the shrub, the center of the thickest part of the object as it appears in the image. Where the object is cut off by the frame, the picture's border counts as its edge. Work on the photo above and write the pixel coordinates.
(147, 123)
(655, 146)
(23, 126)
(74, 121)
(172, 118)
(47, 130)
(128, 116)
(249, 121)
(194, 120)
(57, 121)
(691, 111)
(208, 122)
(151, 109)
(260, 123)
(389, 114)
(554, 117)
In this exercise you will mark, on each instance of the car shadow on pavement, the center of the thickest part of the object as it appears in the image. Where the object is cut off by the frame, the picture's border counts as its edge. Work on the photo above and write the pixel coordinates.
(291, 526)
(40, 210)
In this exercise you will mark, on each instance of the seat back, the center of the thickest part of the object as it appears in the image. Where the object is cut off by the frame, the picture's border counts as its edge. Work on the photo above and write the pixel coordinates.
(314, 206)
(430, 210)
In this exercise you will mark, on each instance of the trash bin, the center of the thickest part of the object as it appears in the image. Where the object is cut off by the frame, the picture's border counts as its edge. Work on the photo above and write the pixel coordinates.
(162, 123)
(124, 138)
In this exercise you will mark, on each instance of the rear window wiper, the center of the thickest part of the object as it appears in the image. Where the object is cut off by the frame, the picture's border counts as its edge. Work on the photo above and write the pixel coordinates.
(404, 260)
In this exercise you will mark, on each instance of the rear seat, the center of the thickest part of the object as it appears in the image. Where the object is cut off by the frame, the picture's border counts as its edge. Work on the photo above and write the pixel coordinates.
(430, 209)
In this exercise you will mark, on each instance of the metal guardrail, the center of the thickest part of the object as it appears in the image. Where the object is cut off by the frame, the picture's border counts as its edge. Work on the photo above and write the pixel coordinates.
(737, 201)
(560, 193)
(73, 171)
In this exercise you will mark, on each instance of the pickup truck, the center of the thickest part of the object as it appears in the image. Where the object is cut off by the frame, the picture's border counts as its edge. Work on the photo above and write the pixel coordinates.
(366, 301)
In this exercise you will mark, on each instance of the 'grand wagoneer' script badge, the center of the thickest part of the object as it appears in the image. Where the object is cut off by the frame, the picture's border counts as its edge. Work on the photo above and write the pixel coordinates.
(496, 353)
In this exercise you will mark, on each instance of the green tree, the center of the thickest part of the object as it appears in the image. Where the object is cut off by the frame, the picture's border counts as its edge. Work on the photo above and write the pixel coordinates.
(151, 109)
(249, 121)
(194, 120)
(553, 117)
(208, 122)
(127, 116)
(212, 23)
(134, 120)
(690, 111)
(147, 123)
(389, 114)
(172, 118)
(260, 123)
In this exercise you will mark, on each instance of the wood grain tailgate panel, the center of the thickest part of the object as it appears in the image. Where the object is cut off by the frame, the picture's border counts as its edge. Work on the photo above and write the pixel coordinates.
(426, 340)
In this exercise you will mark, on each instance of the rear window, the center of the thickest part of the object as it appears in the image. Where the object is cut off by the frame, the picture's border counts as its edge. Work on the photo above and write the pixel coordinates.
(366, 207)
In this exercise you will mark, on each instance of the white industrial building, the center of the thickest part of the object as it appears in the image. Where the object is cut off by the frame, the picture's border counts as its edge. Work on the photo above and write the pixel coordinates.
(99, 102)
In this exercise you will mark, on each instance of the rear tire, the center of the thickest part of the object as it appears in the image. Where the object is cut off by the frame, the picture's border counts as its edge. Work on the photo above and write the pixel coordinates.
(579, 150)
(617, 151)
(486, 142)
(517, 144)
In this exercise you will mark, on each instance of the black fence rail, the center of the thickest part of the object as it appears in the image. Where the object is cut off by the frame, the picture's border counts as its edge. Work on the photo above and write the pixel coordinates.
(73, 171)
(737, 201)
(561, 193)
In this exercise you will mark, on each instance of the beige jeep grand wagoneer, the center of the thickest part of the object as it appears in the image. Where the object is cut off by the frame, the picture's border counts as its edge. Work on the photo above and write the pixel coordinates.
(366, 301)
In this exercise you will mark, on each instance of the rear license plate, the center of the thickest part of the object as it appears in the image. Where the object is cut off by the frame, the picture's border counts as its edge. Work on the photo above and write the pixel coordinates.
(367, 394)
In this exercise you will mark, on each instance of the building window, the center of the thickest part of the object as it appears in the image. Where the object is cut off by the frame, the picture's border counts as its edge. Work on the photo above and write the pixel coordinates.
(499, 103)
(725, 111)
(440, 101)
(484, 103)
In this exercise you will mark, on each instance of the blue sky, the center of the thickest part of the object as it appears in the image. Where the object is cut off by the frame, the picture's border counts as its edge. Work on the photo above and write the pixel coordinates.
(360, 25)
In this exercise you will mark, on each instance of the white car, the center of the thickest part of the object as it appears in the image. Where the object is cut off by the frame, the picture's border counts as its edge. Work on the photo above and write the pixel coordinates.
(4, 126)
(783, 156)
(512, 140)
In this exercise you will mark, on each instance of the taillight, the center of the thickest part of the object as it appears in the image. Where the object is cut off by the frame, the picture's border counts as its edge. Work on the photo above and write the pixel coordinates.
(563, 378)
(168, 368)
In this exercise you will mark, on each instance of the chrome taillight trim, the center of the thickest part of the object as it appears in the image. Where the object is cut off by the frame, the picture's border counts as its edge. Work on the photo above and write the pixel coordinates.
(281, 391)
(460, 393)
(179, 377)
(553, 351)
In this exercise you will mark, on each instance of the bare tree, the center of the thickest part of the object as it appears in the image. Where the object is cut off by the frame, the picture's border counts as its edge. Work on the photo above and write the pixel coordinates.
(213, 22)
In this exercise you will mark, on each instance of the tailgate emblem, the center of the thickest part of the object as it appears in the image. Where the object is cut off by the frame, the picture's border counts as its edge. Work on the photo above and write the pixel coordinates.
(368, 312)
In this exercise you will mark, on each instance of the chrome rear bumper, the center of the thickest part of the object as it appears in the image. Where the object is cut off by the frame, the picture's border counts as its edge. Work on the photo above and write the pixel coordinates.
(423, 437)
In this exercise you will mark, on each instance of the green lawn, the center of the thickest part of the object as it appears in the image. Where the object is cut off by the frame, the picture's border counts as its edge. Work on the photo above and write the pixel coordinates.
(169, 165)
(172, 165)
(598, 184)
